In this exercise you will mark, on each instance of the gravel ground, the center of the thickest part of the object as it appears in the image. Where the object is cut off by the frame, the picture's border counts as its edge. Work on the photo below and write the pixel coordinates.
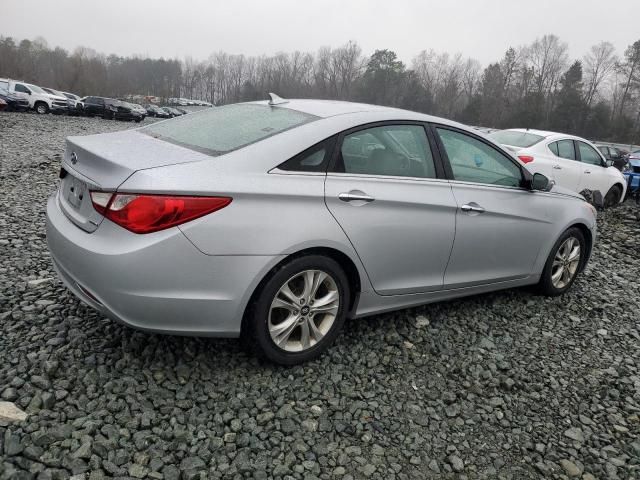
(509, 385)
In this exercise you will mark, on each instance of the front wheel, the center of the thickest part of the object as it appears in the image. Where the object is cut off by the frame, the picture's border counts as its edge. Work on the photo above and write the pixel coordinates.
(612, 198)
(564, 263)
(299, 311)
(42, 108)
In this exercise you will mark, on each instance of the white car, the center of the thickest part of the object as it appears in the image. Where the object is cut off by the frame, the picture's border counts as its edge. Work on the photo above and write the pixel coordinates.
(39, 100)
(571, 162)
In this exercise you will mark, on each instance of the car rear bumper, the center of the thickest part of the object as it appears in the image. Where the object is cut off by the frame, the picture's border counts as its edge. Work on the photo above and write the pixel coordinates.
(157, 282)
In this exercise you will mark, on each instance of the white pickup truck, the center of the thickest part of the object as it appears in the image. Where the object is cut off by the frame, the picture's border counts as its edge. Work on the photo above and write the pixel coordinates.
(39, 100)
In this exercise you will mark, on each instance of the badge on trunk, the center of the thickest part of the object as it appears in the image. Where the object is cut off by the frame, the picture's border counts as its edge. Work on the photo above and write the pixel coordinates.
(74, 158)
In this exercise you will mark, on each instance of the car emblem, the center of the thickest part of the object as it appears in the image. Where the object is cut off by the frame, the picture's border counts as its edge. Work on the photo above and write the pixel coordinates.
(74, 158)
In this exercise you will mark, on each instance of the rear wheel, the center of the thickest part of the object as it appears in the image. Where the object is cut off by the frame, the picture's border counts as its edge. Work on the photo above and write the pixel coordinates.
(563, 264)
(612, 198)
(41, 108)
(299, 311)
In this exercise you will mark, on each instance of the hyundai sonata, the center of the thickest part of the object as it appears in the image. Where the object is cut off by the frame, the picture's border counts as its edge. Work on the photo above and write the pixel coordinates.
(276, 221)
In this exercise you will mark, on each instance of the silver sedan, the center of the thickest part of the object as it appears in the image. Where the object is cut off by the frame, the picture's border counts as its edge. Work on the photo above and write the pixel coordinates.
(276, 221)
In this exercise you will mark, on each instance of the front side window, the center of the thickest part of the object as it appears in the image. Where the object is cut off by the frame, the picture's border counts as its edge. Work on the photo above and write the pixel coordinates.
(390, 150)
(474, 161)
(21, 88)
(216, 131)
(588, 154)
(563, 149)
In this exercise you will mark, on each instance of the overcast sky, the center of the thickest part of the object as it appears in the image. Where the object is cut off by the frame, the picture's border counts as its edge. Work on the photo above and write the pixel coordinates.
(481, 29)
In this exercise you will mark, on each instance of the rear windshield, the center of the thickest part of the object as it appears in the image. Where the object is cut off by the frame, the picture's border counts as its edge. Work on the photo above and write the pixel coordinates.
(515, 139)
(219, 130)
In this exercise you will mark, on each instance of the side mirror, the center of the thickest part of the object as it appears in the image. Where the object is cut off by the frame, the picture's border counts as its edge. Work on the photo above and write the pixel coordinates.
(609, 163)
(540, 182)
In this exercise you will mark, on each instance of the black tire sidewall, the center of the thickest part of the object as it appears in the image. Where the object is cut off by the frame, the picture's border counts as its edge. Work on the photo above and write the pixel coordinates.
(546, 284)
(618, 194)
(258, 327)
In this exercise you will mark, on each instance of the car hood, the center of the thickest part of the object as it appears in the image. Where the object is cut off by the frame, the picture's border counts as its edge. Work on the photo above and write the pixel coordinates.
(565, 192)
(56, 97)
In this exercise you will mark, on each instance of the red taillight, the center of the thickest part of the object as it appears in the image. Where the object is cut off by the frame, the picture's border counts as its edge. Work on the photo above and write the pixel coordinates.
(150, 213)
(525, 158)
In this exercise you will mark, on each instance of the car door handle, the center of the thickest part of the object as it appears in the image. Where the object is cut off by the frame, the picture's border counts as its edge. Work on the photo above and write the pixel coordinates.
(472, 207)
(352, 197)
(587, 171)
(557, 167)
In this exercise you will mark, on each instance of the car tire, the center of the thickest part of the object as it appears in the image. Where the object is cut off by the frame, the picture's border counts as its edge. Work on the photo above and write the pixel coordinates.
(612, 198)
(272, 309)
(564, 263)
(41, 108)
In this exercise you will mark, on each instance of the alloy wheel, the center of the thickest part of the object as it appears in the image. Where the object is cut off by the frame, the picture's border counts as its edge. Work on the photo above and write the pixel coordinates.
(303, 310)
(565, 263)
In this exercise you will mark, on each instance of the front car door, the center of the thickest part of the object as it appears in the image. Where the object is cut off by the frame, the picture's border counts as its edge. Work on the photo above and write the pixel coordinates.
(500, 226)
(390, 197)
(23, 92)
(594, 167)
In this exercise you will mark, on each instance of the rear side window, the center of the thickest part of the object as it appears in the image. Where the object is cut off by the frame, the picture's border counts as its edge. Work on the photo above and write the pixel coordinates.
(390, 150)
(219, 130)
(314, 159)
(563, 149)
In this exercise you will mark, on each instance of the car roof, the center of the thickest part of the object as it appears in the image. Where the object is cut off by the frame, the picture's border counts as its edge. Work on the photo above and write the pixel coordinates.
(332, 108)
(548, 135)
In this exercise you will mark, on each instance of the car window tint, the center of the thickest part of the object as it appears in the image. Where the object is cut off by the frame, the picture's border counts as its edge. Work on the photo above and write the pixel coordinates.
(390, 150)
(588, 154)
(314, 159)
(566, 150)
(474, 161)
(21, 88)
(554, 148)
(219, 130)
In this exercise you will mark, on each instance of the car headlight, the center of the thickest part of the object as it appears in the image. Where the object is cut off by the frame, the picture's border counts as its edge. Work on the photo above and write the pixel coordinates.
(626, 168)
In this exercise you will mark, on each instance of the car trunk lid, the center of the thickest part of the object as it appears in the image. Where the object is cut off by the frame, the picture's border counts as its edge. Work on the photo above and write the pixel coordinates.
(103, 162)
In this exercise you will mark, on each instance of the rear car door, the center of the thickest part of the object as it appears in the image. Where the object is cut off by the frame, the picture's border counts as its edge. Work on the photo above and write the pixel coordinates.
(390, 197)
(499, 225)
(566, 168)
(593, 168)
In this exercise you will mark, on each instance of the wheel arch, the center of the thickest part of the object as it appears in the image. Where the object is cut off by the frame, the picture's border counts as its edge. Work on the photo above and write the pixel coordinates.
(588, 238)
(344, 260)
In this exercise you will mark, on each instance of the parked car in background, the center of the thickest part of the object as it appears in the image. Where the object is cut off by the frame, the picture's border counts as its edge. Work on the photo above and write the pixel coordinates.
(174, 112)
(156, 111)
(3, 105)
(182, 110)
(123, 111)
(39, 100)
(350, 210)
(14, 102)
(139, 109)
(71, 105)
(98, 106)
(614, 155)
(571, 162)
(77, 105)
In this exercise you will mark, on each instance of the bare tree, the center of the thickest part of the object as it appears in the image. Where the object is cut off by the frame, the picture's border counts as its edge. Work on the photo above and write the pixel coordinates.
(598, 63)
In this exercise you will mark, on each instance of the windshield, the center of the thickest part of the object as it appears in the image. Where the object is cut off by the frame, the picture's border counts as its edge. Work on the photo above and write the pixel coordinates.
(36, 89)
(515, 138)
(228, 128)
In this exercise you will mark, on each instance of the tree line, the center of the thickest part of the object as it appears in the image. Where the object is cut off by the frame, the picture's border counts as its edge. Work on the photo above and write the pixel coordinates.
(534, 86)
